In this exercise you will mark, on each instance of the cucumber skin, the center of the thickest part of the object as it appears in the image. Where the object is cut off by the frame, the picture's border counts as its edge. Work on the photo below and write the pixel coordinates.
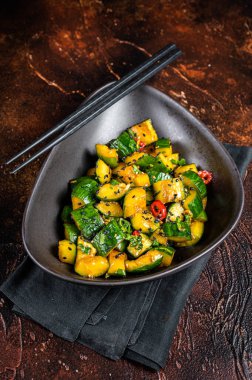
(156, 175)
(147, 267)
(171, 230)
(193, 179)
(85, 189)
(88, 220)
(108, 238)
(196, 207)
(124, 145)
(71, 232)
(66, 214)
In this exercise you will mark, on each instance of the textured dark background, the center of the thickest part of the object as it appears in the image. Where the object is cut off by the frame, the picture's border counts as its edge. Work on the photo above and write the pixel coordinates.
(55, 53)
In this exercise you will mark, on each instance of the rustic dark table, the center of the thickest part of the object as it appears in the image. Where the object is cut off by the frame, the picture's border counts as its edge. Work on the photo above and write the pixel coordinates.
(53, 55)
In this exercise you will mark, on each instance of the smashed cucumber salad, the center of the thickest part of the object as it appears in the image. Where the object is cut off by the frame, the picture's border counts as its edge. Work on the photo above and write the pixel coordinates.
(130, 212)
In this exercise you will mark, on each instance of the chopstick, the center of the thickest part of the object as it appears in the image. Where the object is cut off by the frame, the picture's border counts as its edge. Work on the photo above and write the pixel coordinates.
(95, 99)
(102, 101)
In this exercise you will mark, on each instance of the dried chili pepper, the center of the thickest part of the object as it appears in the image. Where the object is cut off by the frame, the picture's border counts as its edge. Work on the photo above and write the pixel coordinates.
(141, 146)
(158, 210)
(135, 233)
(206, 176)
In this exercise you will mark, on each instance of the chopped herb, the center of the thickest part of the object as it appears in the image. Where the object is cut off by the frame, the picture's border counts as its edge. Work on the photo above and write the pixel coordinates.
(180, 162)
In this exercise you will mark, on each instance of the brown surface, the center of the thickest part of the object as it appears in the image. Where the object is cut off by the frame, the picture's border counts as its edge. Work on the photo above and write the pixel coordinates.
(54, 54)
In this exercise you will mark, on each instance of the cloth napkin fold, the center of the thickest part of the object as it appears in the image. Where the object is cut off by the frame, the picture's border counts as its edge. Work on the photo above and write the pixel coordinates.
(135, 321)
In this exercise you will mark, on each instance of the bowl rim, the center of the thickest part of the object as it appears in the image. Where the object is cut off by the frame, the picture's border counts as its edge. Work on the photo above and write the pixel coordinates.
(151, 275)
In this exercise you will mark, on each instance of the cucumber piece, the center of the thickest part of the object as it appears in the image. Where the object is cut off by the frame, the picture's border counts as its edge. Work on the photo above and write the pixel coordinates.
(110, 208)
(142, 180)
(75, 181)
(67, 251)
(168, 253)
(108, 238)
(193, 180)
(175, 211)
(125, 226)
(109, 156)
(177, 231)
(83, 192)
(185, 168)
(144, 132)
(124, 145)
(125, 173)
(84, 248)
(122, 246)
(147, 261)
(169, 190)
(156, 175)
(71, 232)
(144, 222)
(132, 159)
(197, 229)
(202, 217)
(148, 161)
(88, 220)
(163, 146)
(168, 161)
(91, 267)
(134, 201)
(138, 245)
(66, 214)
(193, 203)
(162, 143)
(109, 192)
(103, 172)
(116, 264)
(159, 237)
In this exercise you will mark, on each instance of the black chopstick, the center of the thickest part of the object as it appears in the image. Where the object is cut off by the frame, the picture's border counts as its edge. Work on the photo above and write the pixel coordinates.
(106, 102)
(95, 99)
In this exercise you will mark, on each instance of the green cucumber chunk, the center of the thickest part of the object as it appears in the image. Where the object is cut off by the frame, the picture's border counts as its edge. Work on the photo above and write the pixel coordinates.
(109, 156)
(192, 179)
(85, 190)
(71, 232)
(66, 214)
(177, 231)
(168, 253)
(175, 211)
(108, 238)
(88, 220)
(163, 143)
(156, 175)
(122, 246)
(145, 262)
(193, 203)
(124, 145)
(202, 217)
(148, 161)
(139, 244)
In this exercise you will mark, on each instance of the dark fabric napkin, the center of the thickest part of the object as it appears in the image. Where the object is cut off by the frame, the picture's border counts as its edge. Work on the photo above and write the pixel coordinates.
(135, 321)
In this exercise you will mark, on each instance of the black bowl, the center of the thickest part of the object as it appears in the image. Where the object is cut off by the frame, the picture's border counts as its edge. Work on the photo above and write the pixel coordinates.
(41, 223)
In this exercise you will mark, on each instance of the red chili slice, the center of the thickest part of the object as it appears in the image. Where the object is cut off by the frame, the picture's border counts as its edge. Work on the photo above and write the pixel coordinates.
(141, 146)
(206, 176)
(136, 233)
(158, 210)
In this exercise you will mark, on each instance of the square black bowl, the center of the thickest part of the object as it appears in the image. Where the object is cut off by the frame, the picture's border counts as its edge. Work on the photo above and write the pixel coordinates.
(41, 223)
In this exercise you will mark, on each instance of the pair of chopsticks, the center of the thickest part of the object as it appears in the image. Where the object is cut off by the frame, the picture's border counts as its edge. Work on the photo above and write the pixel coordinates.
(100, 102)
